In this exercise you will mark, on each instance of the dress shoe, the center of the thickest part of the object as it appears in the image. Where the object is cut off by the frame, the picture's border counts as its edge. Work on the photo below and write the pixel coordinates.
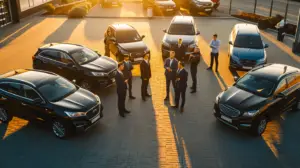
(175, 106)
(192, 87)
(122, 115)
(217, 71)
(193, 91)
(131, 97)
(167, 98)
(127, 111)
(181, 109)
(209, 68)
(148, 95)
(144, 99)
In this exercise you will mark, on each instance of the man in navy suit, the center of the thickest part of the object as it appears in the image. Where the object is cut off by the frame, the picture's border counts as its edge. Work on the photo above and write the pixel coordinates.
(181, 85)
(180, 50)
(145, 76)
(128, 74)
(121, 89)
(171, 66)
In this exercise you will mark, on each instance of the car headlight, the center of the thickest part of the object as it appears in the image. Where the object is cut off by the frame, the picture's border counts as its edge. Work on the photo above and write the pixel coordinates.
(75, 114)
(165, 43)
(250, 113)
(262, 60)
(146, 51)
(101, 74)
(124, 52)
(219, 97)
(98, 98)
(234, 57)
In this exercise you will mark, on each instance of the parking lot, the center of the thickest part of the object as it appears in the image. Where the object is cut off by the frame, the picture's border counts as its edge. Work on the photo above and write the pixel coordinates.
(153, 135)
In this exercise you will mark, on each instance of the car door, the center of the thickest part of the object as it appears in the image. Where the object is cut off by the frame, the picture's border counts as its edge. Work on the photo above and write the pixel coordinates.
(32, 103)
(49, 59)
(293, 90)
(67, 66)
(8, 100)
(113, 47)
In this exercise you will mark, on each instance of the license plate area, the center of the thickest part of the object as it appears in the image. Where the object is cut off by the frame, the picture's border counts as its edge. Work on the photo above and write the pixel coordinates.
(247, 67)
(207, 10)
(138, 59)
(226, 119)
(95, 118)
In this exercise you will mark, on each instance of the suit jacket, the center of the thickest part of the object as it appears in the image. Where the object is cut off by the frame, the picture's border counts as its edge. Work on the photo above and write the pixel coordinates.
(179, 52)
(121, 84)
(127, 70)
(195, 58)
(145, 70)
(181, 84)
(171, 75)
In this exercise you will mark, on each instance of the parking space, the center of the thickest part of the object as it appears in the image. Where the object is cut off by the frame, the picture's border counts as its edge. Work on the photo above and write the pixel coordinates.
(153, 135)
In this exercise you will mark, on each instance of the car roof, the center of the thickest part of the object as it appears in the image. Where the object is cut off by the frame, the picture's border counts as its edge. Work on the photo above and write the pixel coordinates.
(183, 20)
(122, 26)
(69, 48)
(273, 72)
(33, 78)
(247, 29)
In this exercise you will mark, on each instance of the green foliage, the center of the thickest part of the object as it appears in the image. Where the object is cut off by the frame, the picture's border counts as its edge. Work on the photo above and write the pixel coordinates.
(50, 8)
(79, 11)
(66, 1)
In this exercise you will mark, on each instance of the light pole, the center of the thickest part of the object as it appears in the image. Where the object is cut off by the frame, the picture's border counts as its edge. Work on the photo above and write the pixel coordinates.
(271, 9)
(286, 10)
(296, 44)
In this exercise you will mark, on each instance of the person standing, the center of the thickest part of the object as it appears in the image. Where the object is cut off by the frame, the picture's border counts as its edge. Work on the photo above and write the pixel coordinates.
(171, 66)
(121, 90)
(194, 61)
(281, 29)
(128, 74)
(107, 41)
(214, 55)
(179, 50)
(181, 84)
(145, 76)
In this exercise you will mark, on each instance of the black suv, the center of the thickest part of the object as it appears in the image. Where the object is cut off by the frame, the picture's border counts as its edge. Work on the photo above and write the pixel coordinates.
(264, 92)
(76, 62)
(127, 41)
(45, 96)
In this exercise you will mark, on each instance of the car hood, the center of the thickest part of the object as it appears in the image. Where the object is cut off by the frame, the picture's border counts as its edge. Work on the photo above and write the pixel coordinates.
(80, 101)
(138, 46)
(249, 54)
(102, 64)
(241, 99)
(186, 39)
(165, 3)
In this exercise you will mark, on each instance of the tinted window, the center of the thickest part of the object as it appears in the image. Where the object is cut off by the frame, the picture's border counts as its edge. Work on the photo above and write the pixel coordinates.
(128, 36)
(52, 55)
(29, 93)
(246, 41)
(84, 56)
(65, 58)
(57, 89)
(181, 29)
(256, 85)
(13, 88)
(281, 86)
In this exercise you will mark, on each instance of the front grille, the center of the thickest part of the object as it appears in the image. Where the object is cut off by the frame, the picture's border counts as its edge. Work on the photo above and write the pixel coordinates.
(136, 54)
(250, 63)
(93, 112)
(229, 111)
(112, 74)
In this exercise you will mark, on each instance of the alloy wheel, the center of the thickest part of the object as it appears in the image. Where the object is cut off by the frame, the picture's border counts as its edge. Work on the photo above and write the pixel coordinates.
(58, 129)
(262, 126)
(3, 115)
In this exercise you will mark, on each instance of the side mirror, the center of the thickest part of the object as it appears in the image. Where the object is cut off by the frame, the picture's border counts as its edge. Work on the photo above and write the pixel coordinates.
(266, 45)
(230, 42)
(165, 30)
(198, 32)
(143, 36)
(236, 78)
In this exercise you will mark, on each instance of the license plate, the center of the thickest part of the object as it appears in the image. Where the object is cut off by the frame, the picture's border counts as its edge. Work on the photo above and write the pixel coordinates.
(226, 119)
(138, 59)
(95, 119)
(207, 9)
(168, 10)
(246, 67)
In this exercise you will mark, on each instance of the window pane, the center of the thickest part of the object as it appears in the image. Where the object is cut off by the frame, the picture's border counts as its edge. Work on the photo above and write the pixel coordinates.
(281, 86)
(14, 89)
(30, 93)
(52, 55)
(65, 58)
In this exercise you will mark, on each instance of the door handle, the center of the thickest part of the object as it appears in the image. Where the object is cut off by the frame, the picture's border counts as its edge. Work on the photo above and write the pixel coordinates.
(23, 104)
(3, 98)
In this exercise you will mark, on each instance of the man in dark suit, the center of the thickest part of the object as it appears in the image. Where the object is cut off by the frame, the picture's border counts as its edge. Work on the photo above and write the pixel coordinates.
(121, 89)
(181, 84)
(194, 61)
(171, 66)
(180, 50)
(145, 76)
(128, 74)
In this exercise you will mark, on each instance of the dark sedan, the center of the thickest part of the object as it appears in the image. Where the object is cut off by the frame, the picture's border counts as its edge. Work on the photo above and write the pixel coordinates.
(264, 92)
(161, 7)
(75, 62)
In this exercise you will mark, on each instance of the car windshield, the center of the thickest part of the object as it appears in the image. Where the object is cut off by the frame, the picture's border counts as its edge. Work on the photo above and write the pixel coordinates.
(84, 56)
(128, 36)
(181, 29)
(256, 85)
(57, 89)
(246, 41)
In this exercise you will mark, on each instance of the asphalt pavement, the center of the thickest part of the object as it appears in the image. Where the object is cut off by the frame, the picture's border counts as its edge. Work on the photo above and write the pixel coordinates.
(153, 135)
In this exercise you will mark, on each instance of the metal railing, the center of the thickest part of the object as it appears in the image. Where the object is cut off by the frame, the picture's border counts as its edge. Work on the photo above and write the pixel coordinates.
(27, 4)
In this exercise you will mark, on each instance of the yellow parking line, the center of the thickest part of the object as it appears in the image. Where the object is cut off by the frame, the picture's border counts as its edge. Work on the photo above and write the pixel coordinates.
(14, 33)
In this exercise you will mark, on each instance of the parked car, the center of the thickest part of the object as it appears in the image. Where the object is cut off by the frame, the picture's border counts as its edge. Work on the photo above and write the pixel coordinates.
(246, 48)
(45, 96)
(76, 62)
(216, 3)
(161, 6)
(109, 3)
(127, 42)
(264, 92)
(183, 27)
(196, 6)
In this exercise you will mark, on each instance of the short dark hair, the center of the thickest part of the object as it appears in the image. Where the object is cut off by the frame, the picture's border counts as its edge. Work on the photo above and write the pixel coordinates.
(215, 35)
(120, 64)
(181, 63)
(126, 55)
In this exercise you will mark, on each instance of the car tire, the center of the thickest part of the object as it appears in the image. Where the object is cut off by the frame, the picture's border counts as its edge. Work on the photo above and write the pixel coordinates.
(86, 85)
(60, 129)
(4, 115)
(259, 126)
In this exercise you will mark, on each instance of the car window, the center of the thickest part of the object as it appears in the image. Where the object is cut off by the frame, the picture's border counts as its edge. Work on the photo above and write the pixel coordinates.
(84, 56)
(281, 86)
(292, 80)
(181, 29)
(55, 55)
(128, 36)
(29, 93)
(65, 58)
(248, 41)
(12, 88)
